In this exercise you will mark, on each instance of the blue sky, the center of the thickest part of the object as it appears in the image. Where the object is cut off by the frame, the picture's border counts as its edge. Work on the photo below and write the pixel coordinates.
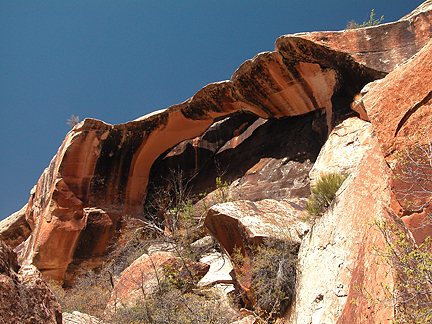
(119, 60)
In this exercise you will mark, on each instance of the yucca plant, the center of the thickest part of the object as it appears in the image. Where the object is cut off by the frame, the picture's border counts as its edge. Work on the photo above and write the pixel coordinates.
(324, 192)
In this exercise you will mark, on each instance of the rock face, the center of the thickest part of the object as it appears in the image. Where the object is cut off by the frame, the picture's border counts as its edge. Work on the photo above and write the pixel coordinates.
(343, 149)
(400, 106)
(260, 159)
(144, 275)
(381, 47)
(14, 230)
(24, 297)
(102, 171)
(334, 257)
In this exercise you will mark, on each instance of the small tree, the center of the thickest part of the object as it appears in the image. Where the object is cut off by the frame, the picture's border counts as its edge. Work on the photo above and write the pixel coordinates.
(412, 181)
(73, 120)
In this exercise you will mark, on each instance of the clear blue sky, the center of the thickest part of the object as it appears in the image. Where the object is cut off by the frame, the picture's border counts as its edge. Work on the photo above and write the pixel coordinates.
(119, 60)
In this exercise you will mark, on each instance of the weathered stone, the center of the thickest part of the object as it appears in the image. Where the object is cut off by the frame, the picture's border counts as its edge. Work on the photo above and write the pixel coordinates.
(24, 297)
(400, 110)
(80, 318)
(144, 274)
(334, 257)
(102, 171)
(14, 229)
(250, 319)
(400, 105)
(268, 159)
(241, 226)
(381, 47)
(343, 149)
(219, 272)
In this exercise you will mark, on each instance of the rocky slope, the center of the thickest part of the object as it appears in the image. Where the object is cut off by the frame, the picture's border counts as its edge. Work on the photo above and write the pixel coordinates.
(24, 296)
(283, 118)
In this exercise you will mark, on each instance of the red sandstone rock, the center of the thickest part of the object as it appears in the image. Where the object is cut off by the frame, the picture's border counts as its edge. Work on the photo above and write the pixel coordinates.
(101, 171)
(241, 226)
(24, 297)
(381, 47)
(14, 229)
(334, 257)
(400, 106)
(144, 274)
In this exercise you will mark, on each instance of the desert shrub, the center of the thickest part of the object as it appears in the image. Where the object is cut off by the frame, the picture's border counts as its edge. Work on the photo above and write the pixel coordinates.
(274, 276)
(170, 305)
(371, 22)
(323, 193)
(412, 292)
(89, 294)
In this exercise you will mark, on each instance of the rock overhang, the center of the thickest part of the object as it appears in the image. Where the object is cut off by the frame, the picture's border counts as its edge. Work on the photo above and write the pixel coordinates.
(107, 166)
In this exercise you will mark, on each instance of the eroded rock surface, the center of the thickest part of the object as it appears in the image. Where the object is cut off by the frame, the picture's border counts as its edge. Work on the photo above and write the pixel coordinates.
(384, 46)
(334, 257)
(144, 276)
(400, 110)
(14, 229)
(344, 148)
(24, 297)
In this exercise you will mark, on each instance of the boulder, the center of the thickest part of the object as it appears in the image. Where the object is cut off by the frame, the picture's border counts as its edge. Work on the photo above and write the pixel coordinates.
(144, 276)
(384, 46)
(241, 226)
(80, 318)
(335, 259)
(24, 296)
(343, 149)
(219, 271)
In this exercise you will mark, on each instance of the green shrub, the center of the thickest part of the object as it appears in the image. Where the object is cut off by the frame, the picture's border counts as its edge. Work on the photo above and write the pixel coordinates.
(411, 295)
(371, 22)
(323, 193)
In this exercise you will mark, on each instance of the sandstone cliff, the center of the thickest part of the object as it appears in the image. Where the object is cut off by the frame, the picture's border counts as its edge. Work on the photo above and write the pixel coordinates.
(283, 118)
